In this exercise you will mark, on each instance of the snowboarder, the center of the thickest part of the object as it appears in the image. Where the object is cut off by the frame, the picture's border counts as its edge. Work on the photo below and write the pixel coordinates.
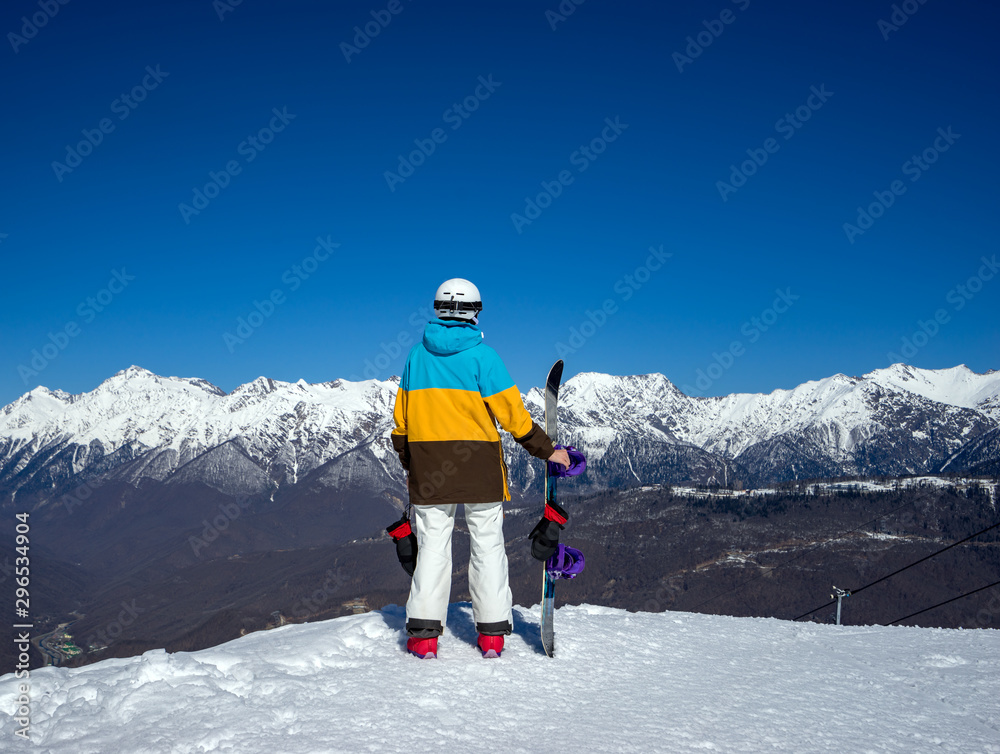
(454, 391)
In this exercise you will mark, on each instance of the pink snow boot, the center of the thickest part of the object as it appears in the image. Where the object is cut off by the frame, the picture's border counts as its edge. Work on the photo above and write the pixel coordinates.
(422, 648)
(490, 646)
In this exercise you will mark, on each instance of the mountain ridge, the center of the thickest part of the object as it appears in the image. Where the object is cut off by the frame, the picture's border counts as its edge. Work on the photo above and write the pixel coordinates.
(635, 429)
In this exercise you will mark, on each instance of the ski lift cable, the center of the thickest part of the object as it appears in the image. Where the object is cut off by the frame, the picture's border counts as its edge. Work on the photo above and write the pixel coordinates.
(966, 594)
(900, 570)
(800, 555)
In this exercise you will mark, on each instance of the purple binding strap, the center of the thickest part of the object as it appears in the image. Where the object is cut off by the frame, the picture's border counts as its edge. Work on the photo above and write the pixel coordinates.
(565, 563)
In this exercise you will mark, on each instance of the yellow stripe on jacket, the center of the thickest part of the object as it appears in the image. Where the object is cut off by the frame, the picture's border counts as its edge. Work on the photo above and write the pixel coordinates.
(509, 410)
(435, 414)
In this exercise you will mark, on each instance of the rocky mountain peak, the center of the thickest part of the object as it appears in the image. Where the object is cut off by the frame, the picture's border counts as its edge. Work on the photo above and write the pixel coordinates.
(892, 421)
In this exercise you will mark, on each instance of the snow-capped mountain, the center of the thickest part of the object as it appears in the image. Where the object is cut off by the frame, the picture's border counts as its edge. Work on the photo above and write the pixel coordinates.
(958, 386)
(139, 425)
(893, 421)
(267, 434)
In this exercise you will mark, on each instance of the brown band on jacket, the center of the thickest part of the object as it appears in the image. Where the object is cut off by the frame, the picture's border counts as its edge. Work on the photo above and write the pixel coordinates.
(402, 447)
(536, 442)
(456, 471)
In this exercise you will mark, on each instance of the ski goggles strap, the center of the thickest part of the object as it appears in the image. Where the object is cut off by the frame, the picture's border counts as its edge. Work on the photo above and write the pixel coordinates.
(459, 306)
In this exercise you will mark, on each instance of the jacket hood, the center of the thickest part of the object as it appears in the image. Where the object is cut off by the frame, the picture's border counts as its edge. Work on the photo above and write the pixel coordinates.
(445, 338)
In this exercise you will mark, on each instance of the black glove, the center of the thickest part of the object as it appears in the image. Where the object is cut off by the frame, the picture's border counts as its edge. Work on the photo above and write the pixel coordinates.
(545, 536)
(406, 543)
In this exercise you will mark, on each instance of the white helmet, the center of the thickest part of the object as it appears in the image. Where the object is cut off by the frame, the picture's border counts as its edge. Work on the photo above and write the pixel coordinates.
(457, 298)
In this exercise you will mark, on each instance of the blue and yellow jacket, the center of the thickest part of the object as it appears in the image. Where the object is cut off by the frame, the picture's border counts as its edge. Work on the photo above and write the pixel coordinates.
(454, 391)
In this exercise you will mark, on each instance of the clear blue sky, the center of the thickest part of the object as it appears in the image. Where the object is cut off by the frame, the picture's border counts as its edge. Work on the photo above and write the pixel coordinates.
(837, 104)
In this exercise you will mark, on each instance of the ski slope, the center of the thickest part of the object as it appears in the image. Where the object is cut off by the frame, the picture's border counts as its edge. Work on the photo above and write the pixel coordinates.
(621, 682)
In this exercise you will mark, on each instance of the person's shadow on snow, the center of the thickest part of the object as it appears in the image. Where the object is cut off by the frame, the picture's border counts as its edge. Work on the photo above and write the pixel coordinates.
(529, 631)
(394, 617)
(462, 625)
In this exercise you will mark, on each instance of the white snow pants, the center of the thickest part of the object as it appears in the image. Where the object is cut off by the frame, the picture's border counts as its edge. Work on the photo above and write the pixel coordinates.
(427, 606)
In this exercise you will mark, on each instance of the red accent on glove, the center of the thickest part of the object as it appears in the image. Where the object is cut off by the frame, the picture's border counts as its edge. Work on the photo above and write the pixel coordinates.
(553, 515)
(402, 531)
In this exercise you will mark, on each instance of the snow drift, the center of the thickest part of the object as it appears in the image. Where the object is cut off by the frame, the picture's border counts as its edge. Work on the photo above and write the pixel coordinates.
(641, 682)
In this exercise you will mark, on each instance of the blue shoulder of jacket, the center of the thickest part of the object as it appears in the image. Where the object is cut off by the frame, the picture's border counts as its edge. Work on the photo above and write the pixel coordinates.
(478, 369)
(493, 375)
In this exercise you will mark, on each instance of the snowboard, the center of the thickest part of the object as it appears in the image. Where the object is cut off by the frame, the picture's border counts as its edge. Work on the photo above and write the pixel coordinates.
(552, 430)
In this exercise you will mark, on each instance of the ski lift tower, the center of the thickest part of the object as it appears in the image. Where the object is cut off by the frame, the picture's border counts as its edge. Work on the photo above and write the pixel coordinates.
(839, 595)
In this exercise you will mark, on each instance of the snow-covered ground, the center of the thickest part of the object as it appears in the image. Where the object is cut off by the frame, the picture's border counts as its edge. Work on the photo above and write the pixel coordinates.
(621, 682)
